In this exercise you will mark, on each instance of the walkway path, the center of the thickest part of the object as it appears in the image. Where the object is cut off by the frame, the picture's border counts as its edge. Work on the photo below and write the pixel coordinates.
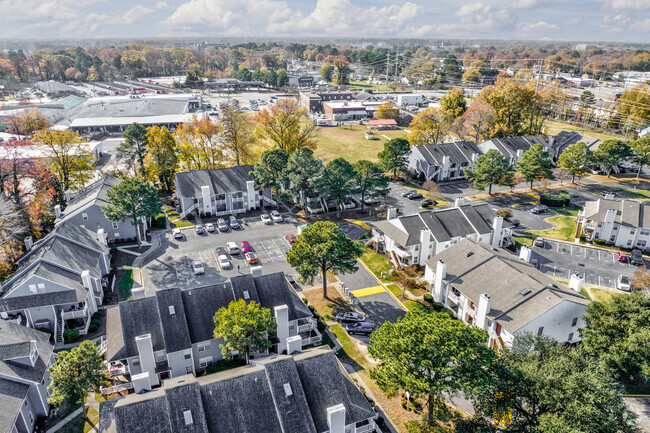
(58, 426)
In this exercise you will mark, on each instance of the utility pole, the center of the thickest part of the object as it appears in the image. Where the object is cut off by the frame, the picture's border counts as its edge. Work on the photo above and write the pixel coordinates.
(539, 74)
(387, 65)
(396, 53)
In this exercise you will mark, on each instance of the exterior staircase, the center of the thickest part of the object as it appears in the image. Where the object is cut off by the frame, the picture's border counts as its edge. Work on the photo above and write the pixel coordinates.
(59, 331)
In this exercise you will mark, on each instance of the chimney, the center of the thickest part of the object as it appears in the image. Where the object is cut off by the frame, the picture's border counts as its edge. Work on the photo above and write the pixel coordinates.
(459, 201)
(609, 196)
(256, 271)
(68, 197)
(294, 344)
(484, 307)
(101, 235)
(207, 202)
(525, 253)
(282, 320)
(147, 359)
(138, 293)
(497, 227)
(391, 213)
(29, 243)
(336, 418)
(252, 196)
(441, 273)
(519, 153)
(85, 280)
(57, 210)
(576, 282)
(141, 382)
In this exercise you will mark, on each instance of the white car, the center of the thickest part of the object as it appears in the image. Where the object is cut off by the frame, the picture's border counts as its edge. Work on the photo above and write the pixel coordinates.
(177, 233)
(276, 216)
(623, 283)
(266, 219)
(197, 267)
(232, 248)
(209, 227)
(224, 262)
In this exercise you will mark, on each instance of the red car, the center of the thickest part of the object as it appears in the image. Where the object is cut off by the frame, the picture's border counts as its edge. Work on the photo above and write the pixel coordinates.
(290, 238)
(246, 247)
(622, 257)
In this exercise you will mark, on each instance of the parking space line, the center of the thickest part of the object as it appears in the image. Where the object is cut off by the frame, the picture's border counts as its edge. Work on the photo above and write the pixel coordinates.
(267, 251)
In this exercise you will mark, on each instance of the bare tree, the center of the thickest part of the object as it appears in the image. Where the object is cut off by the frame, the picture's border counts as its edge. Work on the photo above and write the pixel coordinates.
(561, 174)
(641, 280)
(13, 229)
(432, 189)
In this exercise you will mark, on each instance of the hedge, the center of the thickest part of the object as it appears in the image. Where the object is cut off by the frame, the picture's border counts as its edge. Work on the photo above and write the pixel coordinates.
(560, 200)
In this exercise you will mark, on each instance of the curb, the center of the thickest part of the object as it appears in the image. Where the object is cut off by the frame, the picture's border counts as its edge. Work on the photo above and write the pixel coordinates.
(384, 286)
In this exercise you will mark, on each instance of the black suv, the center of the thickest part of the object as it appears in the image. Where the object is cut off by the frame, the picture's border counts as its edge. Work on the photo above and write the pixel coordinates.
(637, 258)
(365, 328)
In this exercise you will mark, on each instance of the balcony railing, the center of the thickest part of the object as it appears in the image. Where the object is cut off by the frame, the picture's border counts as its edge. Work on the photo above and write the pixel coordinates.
(312, 340)
(74, 314)
(305, 328)
(117, 388)
(370, 427)
(452, 297)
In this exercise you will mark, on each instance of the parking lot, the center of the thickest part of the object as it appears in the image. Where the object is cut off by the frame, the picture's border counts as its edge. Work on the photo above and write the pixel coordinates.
(171, 265)
(599, 267)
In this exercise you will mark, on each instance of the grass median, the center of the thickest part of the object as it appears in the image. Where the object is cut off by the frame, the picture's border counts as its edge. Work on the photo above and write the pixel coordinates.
(564, 230)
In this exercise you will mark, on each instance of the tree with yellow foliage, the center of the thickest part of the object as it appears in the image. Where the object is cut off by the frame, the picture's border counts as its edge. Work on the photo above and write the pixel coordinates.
(387, 110)
(199, 146)
(428, 127)
(162, 159)
(286, 126)
(68, 156)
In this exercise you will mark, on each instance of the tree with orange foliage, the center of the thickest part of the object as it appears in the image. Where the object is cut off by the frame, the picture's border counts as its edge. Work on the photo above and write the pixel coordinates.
(27, 122)
(286, 126)
(199, 145)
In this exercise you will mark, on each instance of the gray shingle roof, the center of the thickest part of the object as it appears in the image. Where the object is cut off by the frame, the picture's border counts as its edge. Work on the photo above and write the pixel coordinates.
(509, 146)
(272, 291)
(137, 317)
(12, 334)
(200, 305)
(629, 213)
(458, 152)
(93, 194)
(14, 350)
(12, 395)
(503, 277)
(174, 326)
(220, 181)
(248, 399)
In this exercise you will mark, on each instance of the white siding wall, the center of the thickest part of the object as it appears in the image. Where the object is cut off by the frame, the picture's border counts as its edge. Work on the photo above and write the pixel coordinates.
(557, 322)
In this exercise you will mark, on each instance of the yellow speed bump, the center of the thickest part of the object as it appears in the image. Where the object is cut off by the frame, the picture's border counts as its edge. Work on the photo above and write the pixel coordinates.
(368, 291)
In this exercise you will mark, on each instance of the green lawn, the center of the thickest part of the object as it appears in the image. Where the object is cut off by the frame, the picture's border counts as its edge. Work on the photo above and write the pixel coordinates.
(564, 230)
(638, 194)
(528, 203)
(349, 141)
(125, 285)
(583, 291)
(395, 290)
(377, 263)
(415, 306)
(523, 240)
(566, 211)
(363, 85)
(553, 127)
(348, 346)
(601, 295)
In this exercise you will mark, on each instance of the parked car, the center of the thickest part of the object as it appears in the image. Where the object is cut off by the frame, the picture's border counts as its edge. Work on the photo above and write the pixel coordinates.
(350, 317)
(209, 227)
(234, 224)
(177, 233)
(246, 247)
(276, 216)
(365, 328)
(621, 256)
(623, 283)
(427, 202)
(291, 238)
(541, 208)
(251, 258)
(232, 248)
(292, 282)
(224, 261)
(408, 192)
(539, 242)
(371, 200)
(221, 223)
(221, 251)
(197, 267)
(349, 204)
(415, 196)
(199, 229)
(637, 257)
(515, 222)
(266, 219)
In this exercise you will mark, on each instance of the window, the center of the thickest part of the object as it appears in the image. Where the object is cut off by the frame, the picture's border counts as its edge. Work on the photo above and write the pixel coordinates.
(599, 225)
(641, 243)
(615, 228)
(571, 336)
(31, 418)
(632, 231)
(644, 232)
(188, 356)
(189, 369)
(629, 242)
(32, 288)
(540, 331)
(84, 216)
(612, 239)
(203, 362)
(117, 235)
(187, 416)
(172, 310)
(574, 322)
(160, 356)
(115, 224)
(136, 362)
(202, 347)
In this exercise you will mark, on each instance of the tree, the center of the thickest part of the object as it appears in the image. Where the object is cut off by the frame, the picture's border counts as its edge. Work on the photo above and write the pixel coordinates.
(641, 153)
(304, 174)
(616, 332)
(612, 152)
(432, 189)
(342, 72)
(453, 104)
(13, 229)
(67, 156)
(394, 156)
(472, 75)
(93, 74)
(641, 280)
(134, 199)
(27, 122)
(387, 110)
(162, 159)
(282, 78)
(632, 107)
(134, 147)
(337, 177)
(199, 144)
(285, 125)
(269, 171)
(490, 169)
(236, 131)
(370, 180)
(587, 98)
(245, 327)
(429, 354)
(193, 76)
(76, 372)
(540, 386)
(577, 159)
(322, 247)
(535, 164)
(477, 120)
(428, 127)
(326, 72)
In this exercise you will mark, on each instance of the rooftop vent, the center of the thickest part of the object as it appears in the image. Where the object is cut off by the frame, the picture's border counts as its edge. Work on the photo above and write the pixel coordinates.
(247, 296)
(469, 254)
(525, 292)
(172, 310)
(287, 390)
(187, 415)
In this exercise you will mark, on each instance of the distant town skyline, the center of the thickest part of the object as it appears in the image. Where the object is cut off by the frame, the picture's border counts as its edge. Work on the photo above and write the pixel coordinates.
(580, 20)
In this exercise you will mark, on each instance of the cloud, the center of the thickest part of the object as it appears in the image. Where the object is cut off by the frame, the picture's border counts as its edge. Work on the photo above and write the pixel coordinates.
(627, 5)
(138, 12)
(538, 28)
(481, 19)
(532, 4)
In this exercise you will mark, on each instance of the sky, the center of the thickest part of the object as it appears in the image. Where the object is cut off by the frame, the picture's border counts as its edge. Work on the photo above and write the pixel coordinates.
(584, 20)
